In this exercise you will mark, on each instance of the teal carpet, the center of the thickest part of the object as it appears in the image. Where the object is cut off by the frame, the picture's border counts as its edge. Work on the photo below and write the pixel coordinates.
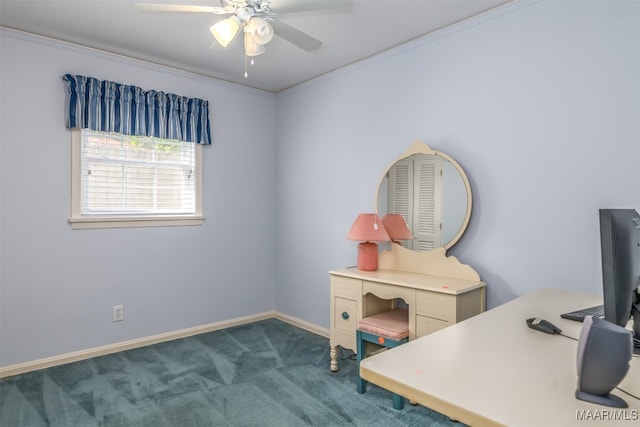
(266, 373)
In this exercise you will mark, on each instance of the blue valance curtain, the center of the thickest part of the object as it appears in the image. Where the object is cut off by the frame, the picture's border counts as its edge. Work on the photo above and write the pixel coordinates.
(113, 107)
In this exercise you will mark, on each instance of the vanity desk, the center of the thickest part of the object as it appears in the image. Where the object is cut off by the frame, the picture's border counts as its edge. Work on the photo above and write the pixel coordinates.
(446, 295)
(432, 192)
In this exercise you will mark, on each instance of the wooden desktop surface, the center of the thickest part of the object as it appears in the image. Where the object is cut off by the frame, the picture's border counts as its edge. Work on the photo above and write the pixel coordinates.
(493, 370)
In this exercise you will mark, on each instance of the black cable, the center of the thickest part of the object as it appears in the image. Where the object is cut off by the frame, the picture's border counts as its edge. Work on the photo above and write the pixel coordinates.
(567, 336)
(629, 394)
(351, 356)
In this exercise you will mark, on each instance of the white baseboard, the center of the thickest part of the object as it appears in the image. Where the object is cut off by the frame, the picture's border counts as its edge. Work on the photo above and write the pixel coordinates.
(302, 324)
(20, 368)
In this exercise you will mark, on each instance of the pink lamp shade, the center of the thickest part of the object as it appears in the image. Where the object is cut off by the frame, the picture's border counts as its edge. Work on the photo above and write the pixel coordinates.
(368, 228)
(396, 227)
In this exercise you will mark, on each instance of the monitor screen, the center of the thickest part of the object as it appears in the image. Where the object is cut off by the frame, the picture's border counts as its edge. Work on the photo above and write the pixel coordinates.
(620, 249)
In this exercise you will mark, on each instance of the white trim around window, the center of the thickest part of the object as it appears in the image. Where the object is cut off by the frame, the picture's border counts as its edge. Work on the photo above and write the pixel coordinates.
(80, 221)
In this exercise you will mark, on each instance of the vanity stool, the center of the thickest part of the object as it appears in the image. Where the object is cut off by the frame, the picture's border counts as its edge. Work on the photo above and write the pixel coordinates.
(388, 329)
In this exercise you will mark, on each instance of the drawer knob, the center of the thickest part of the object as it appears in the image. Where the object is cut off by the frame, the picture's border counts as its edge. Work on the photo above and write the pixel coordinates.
(345, 315)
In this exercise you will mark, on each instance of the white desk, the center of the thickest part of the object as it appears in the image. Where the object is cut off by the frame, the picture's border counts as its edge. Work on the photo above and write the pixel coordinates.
(493, 370)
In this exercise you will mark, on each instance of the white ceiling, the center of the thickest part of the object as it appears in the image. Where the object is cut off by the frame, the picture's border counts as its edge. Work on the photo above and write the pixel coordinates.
(351, 31)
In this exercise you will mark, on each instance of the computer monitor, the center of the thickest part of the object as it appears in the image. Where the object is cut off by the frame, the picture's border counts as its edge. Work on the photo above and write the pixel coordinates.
(620, 250)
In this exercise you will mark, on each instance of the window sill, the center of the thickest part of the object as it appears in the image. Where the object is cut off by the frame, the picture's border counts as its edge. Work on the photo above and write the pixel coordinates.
(128, 222)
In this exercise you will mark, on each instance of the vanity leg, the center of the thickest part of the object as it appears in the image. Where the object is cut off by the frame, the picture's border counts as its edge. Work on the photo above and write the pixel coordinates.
(334, 359)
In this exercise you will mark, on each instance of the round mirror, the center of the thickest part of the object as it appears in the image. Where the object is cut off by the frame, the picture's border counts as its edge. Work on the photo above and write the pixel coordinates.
(431, 192)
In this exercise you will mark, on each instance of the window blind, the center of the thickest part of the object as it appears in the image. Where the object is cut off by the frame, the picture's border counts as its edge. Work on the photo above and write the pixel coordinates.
(132, 175)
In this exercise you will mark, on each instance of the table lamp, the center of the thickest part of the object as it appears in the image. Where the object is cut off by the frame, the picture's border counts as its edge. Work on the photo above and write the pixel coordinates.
(396, 227)
(368, 228)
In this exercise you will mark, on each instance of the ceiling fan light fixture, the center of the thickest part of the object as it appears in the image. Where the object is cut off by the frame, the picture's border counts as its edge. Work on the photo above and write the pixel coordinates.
(225, 31)
(251, 48)
(261, 31)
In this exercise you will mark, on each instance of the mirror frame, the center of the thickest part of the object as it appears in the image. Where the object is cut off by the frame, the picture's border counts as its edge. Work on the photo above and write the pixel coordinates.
(420, 147)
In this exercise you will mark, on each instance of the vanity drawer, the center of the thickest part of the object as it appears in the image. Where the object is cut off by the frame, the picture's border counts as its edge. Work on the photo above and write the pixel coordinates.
(436, 305)
(346, 287)
(345, 314)
(427, 325)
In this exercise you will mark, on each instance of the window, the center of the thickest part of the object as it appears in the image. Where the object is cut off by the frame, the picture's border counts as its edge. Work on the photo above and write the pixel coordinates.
(133, 181)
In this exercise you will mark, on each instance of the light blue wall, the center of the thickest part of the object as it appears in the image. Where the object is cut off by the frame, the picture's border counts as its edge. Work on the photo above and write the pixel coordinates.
(540, 103)
(57, 286)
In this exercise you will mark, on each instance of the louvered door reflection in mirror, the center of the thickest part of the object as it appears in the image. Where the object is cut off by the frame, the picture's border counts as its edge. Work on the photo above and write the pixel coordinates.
(431, 191)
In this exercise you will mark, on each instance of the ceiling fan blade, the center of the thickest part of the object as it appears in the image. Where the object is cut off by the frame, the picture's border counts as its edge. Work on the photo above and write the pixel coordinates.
(301, 6)
(295, 36)
(159, 7)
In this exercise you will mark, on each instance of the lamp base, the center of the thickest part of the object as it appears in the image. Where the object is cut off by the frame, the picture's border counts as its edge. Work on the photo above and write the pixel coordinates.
(368, 256)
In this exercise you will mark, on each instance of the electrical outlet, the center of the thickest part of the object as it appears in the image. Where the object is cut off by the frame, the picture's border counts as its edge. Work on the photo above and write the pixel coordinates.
(118, 312)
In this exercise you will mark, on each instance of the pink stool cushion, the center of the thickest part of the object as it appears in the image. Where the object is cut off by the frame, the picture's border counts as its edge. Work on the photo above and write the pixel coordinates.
(393, 324)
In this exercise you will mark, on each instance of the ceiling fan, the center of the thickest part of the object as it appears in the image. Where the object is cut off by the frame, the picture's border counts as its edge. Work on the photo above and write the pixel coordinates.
(255, 18)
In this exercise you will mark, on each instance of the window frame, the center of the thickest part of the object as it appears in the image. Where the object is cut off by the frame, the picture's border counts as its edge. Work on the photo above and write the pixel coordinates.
(80, 222)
